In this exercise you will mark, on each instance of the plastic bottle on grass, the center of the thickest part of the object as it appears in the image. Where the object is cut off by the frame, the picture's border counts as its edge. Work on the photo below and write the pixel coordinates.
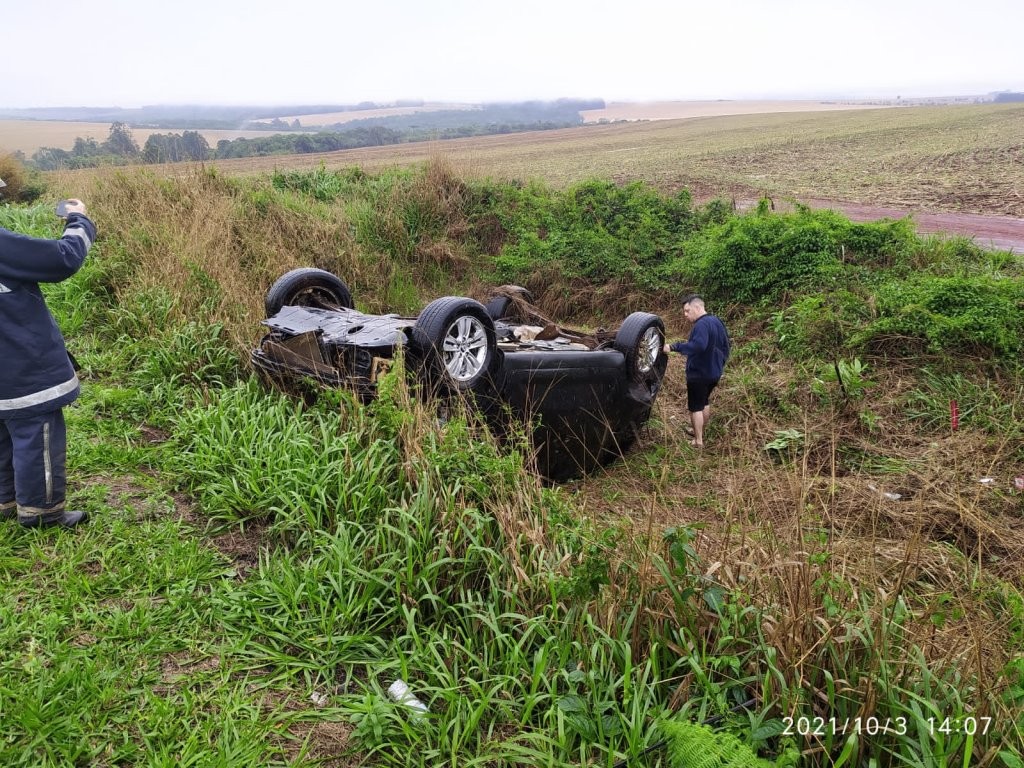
(399, 692)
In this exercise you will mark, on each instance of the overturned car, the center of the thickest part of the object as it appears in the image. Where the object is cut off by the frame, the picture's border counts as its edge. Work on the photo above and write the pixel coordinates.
(586, 394)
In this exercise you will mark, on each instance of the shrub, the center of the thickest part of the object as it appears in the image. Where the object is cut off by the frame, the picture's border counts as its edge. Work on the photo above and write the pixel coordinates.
(762, 254)
(23, 186)
(884, 243)
(321, 184)
(820, 325)
(758, 255)
(942, 314)
(594, 230)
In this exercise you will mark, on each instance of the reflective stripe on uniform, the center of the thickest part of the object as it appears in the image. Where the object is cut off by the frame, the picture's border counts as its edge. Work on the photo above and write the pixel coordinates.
(79, 232)
(37, 511)
(38, 398)
(47, 463)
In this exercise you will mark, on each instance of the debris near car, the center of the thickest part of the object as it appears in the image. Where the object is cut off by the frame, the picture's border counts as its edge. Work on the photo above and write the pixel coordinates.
(587, 395)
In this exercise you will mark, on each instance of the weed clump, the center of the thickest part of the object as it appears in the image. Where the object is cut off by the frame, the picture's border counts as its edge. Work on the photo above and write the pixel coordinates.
(978, 315)
(23, 185)
(595, 230)
(763, 254)
(692, 745)
(821, 324)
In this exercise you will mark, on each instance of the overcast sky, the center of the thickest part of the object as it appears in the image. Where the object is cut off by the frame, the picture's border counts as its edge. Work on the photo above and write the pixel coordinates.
(129, 53)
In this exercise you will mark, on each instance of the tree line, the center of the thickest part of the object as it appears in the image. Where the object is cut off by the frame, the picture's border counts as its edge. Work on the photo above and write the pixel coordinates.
(120, 147)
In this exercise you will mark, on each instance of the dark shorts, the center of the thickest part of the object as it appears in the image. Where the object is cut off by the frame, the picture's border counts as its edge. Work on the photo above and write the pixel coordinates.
(698, 392)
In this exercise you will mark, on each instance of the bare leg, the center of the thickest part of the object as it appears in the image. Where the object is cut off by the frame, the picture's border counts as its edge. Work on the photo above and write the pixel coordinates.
(697, 418)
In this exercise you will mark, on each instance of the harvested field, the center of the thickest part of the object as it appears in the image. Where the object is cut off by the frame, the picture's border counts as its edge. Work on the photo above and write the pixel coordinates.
(29, 135)
(679, 110)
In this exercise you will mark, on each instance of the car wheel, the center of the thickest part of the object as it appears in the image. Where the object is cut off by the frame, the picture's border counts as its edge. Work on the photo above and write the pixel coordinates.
(454, 345)
(307, 287)
(642, 339)
(503, 305)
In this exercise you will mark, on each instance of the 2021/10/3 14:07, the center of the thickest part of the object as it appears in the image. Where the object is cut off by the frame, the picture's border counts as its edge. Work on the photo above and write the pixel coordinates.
(968, 725)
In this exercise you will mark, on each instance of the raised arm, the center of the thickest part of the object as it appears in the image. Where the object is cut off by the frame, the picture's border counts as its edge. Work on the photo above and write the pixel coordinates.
(38, 260)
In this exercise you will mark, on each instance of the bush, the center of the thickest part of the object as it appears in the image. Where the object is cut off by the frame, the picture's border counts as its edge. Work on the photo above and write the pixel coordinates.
(594, 230)
(759, 255)
(820, 325)
(878, 244)
(945, 314)
(321, 184)
(23, 186)
(763, 254)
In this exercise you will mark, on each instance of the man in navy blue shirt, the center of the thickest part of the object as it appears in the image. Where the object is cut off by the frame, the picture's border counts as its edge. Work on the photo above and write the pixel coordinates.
(706, 351)
(36, 376)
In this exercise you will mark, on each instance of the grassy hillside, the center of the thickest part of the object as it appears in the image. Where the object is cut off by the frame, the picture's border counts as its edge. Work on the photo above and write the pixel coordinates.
(259, 571)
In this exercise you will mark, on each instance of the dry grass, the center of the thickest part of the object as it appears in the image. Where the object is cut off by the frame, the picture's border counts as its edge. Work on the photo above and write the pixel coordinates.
(787, 533)
(246, 236)
(196, 222)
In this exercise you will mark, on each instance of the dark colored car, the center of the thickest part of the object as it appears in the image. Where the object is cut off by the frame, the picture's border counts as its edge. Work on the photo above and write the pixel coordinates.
(587, 394)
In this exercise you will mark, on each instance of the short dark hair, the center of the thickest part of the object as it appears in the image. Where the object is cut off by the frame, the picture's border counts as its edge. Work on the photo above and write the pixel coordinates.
(692, 297)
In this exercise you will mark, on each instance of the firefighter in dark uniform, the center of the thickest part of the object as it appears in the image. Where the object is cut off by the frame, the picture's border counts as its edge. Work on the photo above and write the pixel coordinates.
(36, 376)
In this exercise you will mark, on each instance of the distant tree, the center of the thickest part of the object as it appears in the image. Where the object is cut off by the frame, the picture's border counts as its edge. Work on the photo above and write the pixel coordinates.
(151, 149)
(121, 142)
(160, 148)
(51, 159)
(86, 147)
(195, 146)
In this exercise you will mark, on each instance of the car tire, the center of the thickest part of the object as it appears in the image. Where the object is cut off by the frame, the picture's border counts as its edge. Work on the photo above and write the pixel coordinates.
(641, 338)
(307, 287)
(454, 346)
(498, 307)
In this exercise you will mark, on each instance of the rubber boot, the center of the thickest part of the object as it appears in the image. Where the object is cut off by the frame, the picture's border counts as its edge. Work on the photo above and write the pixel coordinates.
(63, 519)
(8, 511)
